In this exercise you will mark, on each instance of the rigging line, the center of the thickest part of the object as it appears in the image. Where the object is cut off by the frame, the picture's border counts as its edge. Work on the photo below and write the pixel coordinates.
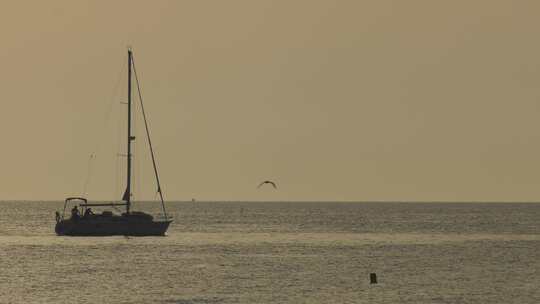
(117, 158)
(88, 173)
(137, 169)
(98, 143)
(149, 140)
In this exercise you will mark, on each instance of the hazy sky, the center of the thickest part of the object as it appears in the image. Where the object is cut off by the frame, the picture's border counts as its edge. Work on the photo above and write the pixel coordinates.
(334, 100)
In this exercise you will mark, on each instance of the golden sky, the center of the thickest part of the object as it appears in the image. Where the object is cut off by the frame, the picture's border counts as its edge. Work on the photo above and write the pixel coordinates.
(333, 100)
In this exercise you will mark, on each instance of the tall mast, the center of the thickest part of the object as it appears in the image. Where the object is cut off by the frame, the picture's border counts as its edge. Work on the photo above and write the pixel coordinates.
(127, 193)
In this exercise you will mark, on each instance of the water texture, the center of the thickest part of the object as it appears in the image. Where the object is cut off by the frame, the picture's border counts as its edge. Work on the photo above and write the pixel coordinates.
(252, 252)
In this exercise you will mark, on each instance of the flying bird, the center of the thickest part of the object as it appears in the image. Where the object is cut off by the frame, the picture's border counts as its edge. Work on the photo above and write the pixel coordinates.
(268, 182)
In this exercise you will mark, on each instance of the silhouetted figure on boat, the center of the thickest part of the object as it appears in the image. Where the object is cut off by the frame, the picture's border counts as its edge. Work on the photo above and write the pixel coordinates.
(88, 212)
(75, 213)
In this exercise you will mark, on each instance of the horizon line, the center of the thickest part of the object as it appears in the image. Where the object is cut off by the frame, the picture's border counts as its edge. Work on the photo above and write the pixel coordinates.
(296, 201)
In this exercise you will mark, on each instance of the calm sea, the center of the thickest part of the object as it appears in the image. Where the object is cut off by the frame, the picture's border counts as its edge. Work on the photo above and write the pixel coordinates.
(232, 252)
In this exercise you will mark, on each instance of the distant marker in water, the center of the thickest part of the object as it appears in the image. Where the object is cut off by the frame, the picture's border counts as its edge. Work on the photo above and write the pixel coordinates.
(373, 278)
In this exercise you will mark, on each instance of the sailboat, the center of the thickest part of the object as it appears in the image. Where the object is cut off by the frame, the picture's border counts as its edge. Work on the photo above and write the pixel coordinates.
(83, 222)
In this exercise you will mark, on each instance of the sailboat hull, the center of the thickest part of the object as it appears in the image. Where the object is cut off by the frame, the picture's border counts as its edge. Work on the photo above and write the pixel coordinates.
(117, 225)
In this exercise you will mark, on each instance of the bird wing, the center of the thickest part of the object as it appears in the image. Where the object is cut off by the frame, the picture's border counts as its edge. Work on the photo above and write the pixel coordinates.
(267, 182)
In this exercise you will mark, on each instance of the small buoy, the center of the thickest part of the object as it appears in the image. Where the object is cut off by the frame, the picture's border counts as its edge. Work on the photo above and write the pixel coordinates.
(373, 278)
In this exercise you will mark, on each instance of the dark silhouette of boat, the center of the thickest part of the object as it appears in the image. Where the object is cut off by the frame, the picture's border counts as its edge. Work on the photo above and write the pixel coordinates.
(83, 222)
